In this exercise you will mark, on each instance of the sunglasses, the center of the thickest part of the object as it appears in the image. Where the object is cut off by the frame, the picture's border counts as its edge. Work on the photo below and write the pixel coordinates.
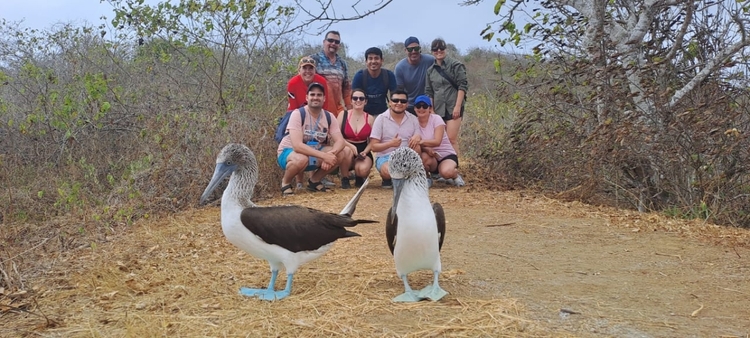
(402, 101)
(438, 49)
(333, 41)
(308, 67)
(315, 94)
(422, 106)
(413, 49)
(358, 98)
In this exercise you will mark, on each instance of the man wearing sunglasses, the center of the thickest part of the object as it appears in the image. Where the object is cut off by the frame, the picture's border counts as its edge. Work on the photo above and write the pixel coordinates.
(335, 70)
(392, 129)
(411, 71)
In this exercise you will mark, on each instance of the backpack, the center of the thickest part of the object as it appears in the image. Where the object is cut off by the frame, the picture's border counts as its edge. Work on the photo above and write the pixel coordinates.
(386, 80)
(281, 128)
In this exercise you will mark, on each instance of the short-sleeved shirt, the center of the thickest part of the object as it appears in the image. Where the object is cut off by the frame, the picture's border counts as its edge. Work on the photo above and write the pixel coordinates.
(428, 133)
(385, 128)
(412, 77)
(336, 74)
(297, 92)
(376, 91)
(313, 128)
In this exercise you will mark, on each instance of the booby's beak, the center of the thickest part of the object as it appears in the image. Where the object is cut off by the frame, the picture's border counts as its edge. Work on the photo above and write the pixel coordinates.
(398, 186)
(222, 170)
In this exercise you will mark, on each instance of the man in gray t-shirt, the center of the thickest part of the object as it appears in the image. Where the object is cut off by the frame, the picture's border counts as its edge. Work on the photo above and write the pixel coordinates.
(411, 71)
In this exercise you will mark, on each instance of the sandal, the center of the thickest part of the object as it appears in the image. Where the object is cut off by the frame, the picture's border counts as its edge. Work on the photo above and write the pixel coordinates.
(316, 187)
(287, 190)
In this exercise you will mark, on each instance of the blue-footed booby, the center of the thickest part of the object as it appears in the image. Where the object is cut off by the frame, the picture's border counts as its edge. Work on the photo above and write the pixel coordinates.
(415, 229)
(285, 236)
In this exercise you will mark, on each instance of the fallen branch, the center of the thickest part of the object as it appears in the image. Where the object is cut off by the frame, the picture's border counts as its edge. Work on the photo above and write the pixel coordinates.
(668, 255)
(499, 225)
(695, 313)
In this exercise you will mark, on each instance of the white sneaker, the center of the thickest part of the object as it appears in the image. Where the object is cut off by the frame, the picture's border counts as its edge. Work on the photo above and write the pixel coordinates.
(459, 181)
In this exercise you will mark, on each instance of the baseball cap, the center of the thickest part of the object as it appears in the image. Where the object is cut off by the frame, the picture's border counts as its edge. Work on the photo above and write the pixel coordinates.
(314, 85)
(411, 40)
(306, 60)
(422, 99)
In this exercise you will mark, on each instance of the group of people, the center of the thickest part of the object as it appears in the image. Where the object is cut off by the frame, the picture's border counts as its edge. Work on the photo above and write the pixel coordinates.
(336, 123)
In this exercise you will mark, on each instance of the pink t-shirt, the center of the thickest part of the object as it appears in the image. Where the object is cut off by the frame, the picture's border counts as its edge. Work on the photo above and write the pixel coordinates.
(314, 128)
(385, 128)
(428, 133)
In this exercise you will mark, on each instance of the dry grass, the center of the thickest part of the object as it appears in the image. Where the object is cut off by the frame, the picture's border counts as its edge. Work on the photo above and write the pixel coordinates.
(178, 276)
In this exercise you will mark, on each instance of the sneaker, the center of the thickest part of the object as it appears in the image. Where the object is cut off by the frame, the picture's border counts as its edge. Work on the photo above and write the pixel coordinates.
(449, 181)
(327, 182)
(429, 183)
(358, 181)
(437, 178)
(345, 183)
(387, 184)
(459, 181)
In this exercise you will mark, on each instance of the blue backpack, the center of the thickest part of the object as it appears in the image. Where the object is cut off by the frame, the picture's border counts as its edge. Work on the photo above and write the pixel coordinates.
(281, 129)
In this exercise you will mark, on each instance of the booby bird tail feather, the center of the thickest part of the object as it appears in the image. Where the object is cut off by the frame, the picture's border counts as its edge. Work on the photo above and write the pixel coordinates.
(352, 205)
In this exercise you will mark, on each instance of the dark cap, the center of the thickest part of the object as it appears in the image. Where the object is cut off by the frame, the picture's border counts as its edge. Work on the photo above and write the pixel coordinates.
(410, 40)
(316, 85)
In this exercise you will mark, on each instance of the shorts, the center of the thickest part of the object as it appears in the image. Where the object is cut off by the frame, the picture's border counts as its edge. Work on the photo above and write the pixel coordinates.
(449, 117)
(282, 159)
(449, 157)
(381, 160)
(360, 148)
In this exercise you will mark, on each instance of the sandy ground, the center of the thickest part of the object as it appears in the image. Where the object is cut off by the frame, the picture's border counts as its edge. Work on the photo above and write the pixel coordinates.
(515, 264)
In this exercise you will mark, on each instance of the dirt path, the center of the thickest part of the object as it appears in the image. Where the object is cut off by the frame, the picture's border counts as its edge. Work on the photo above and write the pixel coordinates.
(515, 265)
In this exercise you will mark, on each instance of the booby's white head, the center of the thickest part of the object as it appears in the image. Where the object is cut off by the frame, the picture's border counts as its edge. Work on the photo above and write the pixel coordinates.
(406, 167)
(239, 161)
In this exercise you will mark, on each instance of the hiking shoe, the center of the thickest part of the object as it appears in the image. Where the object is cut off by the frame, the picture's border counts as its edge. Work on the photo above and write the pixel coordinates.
(345, 183)
(358, 181)
(387, 184)
(459, 181)
(328, 183)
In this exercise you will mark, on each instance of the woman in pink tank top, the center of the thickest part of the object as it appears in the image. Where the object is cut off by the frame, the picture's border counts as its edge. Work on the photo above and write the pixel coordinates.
(356, 126)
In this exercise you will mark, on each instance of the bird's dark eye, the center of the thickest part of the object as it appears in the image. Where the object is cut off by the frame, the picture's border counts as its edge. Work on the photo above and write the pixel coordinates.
(229, 162)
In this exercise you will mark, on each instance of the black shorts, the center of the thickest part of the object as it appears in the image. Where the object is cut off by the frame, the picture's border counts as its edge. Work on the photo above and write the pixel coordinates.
(360, 148)
(449, 157)
(449, 117)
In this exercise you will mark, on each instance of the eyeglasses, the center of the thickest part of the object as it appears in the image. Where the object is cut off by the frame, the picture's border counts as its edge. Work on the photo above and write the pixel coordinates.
(358, 98)
(421, 106)
(402, 101)
(413, 49)
(438, 49)
(333, 41)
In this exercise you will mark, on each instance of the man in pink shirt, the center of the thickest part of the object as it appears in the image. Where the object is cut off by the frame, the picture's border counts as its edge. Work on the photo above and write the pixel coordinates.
(312, 144)
(393, 129)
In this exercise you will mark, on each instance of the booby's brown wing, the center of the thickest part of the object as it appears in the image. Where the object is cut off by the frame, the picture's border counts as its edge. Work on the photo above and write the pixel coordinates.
(297, 228)
(390, 230)
(440, 218)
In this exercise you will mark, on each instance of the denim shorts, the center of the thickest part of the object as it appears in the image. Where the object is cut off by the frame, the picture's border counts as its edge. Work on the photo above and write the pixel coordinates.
(281, 160)
(380, 160)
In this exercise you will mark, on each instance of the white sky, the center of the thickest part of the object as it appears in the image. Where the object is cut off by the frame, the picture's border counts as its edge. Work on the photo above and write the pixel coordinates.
(425, 19)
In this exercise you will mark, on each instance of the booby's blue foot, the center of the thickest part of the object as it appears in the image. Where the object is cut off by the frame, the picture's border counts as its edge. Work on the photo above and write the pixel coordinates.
(407, 297)
(433, 292)
(251, 292)
(255, 292)
(272, 295)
